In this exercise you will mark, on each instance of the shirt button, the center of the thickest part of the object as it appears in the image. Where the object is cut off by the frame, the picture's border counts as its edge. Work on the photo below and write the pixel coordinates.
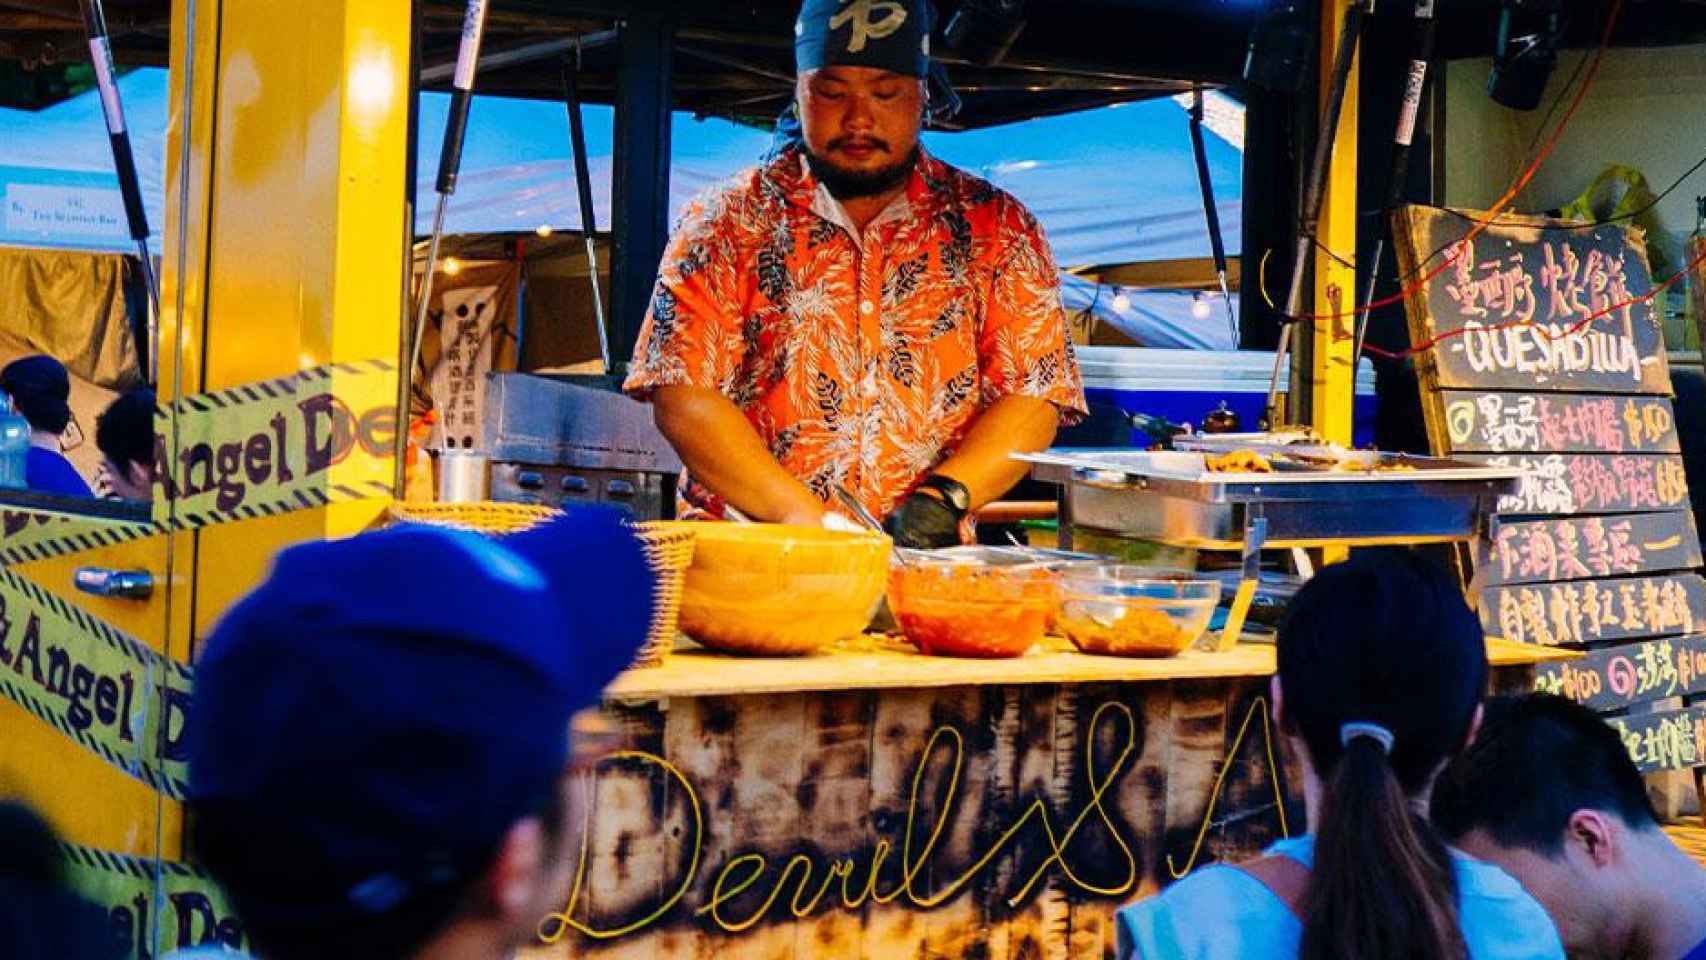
(866, 306)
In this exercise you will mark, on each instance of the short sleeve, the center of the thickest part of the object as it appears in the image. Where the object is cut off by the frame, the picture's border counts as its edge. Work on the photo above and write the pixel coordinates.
(692, 332)
(1023, 348)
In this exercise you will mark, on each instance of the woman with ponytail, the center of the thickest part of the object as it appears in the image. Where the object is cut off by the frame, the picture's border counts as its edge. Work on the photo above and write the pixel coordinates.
(1382, 667)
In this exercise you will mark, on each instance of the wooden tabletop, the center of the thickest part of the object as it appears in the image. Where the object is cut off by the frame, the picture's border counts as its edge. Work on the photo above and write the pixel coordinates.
(876, 662)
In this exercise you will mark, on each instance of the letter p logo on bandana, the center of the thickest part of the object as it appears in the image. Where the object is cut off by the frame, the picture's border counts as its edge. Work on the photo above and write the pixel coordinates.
(892, 35)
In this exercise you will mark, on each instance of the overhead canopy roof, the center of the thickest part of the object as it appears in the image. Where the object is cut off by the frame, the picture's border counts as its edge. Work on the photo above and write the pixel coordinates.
(735, 58)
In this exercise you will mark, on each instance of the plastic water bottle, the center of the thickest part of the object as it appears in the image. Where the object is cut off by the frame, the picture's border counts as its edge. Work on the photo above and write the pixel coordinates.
(14, 446)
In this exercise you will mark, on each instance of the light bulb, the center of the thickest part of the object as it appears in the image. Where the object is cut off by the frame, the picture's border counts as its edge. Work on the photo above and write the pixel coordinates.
(1199, 307)
(1122, 302)
(452, 266)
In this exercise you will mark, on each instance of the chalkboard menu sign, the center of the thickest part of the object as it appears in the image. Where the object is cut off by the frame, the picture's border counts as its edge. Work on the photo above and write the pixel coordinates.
(1562, 484)
(1577, 548)
(1618, 677)
(1533, 304)
(1666, 740)
(1536, 350)
(1479, 421)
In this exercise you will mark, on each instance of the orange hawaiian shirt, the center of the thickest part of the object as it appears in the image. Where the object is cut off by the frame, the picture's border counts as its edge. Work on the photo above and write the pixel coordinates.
(861, 361)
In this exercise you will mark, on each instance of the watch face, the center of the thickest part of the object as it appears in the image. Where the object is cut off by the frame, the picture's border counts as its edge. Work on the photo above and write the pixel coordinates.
(952, 491)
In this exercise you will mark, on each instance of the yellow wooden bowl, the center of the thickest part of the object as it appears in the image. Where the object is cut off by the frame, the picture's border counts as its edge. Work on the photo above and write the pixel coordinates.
(772, 590)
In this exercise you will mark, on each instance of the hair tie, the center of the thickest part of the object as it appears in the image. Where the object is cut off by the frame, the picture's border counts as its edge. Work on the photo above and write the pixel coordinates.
(1373, 731)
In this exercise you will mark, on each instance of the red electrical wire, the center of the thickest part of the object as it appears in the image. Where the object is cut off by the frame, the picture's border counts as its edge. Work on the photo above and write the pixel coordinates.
(1546, 331)
(1505, 201)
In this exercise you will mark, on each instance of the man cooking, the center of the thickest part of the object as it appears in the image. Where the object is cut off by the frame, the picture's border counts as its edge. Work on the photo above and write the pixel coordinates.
(854, 313)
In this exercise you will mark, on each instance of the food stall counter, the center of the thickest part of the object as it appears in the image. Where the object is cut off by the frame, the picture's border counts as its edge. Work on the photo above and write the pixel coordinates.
(878, 662)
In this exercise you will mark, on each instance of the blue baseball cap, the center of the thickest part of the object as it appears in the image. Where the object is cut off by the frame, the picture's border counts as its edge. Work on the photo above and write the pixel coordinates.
(371, 720)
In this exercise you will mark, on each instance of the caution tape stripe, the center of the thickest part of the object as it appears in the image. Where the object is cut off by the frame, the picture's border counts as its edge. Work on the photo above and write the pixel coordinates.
(135, 649)
(140, 769)
(125, 863)
(76, 543)
(253, 392)
(297, 500)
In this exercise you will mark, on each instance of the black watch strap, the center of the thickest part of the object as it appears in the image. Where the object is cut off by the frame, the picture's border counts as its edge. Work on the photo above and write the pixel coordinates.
(954, 493)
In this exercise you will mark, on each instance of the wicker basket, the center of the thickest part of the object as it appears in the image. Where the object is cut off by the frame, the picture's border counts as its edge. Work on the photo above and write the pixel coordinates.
(483, 517)
(668, 548)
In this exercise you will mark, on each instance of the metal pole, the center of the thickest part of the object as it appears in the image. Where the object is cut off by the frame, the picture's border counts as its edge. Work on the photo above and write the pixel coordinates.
(1211, 214)
(583, 189)
(1414, 84)
(130, 188)
(1314, 187)
(449, 164)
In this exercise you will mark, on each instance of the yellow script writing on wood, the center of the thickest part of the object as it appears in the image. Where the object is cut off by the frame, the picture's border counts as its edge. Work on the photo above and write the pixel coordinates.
(812, 879)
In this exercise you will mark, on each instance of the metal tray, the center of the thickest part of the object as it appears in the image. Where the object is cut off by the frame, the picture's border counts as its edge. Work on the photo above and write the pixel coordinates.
(1170, 497)
(1186, 473)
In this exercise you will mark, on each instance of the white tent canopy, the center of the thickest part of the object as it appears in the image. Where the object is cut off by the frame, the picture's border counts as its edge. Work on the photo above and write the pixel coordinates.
(1112, 185)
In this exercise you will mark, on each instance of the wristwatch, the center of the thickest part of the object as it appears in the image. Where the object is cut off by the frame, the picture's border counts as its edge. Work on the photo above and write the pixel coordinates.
(954, 493)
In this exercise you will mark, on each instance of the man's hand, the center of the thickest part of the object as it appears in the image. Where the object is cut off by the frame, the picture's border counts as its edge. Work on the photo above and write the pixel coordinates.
(924, 522)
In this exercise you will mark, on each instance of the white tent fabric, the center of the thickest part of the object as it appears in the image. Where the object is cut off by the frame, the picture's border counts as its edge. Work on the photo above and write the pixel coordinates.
(1113, 185)
(56, 169)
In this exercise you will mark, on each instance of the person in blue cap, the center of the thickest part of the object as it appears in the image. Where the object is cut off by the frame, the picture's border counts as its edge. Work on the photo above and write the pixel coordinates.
(379, 742)
(40, 390)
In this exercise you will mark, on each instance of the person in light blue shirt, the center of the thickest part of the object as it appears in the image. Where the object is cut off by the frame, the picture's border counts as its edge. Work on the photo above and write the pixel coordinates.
(1382, 667)
(1548, 791)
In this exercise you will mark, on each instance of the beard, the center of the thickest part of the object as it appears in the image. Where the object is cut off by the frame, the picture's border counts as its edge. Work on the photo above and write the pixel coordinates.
(844, 184)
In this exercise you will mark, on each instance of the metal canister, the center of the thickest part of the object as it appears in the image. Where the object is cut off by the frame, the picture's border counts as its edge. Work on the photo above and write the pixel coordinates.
(462, 476)
(1221, 419)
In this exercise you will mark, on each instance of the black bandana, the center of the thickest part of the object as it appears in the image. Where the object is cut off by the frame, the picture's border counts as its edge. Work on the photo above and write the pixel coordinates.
(892, 35)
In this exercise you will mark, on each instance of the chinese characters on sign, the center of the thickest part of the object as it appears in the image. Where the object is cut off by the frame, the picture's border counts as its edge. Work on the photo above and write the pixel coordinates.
(1622, 676)
(1594, 610)
(1576, 548)
(468, 323)
(1524, 306)
(1543, 353)
(1567, 423)
(1565, 483)
(1673, 740)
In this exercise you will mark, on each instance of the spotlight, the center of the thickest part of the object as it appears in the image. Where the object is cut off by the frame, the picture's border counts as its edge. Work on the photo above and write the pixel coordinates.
(1529, 33)
(983, 31)
(1280, 47)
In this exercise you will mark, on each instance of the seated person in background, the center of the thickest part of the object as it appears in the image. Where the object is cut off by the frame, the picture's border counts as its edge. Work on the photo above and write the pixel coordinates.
(41, 918)
(383, 772)
(1381, 672)
(1549, 793)
(41, 393)
(125, 434)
